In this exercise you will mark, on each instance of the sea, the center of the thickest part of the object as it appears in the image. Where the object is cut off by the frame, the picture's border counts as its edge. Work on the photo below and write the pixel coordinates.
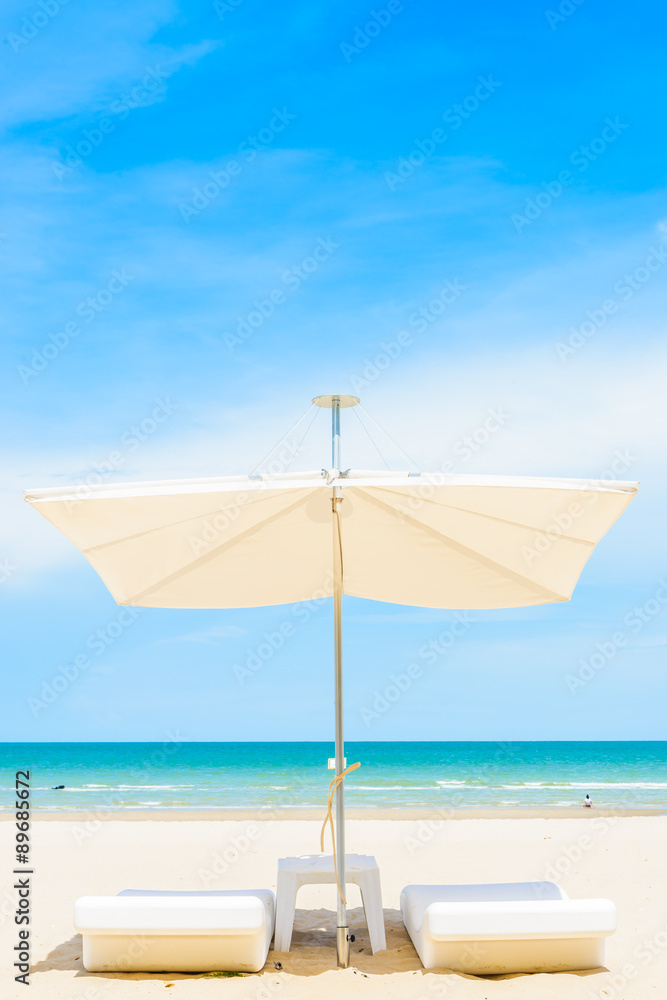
(109, 777)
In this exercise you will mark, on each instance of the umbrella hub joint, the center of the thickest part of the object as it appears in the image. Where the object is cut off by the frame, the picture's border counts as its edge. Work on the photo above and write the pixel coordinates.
(331, 475)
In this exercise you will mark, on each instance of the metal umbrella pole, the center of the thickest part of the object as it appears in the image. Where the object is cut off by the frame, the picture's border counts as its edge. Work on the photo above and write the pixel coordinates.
(342, 929)
(342, 943)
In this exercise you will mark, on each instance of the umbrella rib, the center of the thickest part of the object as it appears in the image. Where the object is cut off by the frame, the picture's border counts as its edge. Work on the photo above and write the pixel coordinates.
(170, 524)
(478, 513)
(202, 559)
(535, 587)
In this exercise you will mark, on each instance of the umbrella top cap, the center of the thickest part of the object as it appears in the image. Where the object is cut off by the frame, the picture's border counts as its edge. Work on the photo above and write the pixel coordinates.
(327, 402)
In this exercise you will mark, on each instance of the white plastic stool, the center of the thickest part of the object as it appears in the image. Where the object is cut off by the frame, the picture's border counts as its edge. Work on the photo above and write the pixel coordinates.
(360, 869)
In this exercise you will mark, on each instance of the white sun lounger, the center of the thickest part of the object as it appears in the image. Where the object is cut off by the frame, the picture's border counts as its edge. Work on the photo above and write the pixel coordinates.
(508, 927)
(154, 931)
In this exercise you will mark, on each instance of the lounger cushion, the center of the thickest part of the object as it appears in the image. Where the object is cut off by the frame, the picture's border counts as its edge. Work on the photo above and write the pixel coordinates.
(508, 927)
(181, 931)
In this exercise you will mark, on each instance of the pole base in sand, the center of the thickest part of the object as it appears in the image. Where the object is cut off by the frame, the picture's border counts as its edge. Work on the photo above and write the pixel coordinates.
(343, 947)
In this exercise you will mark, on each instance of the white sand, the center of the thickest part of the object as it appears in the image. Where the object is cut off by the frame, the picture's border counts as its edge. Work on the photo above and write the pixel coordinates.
(618, 857)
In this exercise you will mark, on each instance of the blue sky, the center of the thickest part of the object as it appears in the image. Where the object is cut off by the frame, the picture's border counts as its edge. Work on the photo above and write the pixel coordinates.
(168, 169)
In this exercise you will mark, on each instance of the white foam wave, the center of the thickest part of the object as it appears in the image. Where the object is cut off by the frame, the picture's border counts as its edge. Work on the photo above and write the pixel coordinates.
(391, 788)
(587, 784)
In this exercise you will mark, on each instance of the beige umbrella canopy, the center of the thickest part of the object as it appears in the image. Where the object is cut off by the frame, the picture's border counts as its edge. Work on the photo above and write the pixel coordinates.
(437, 541)
(431, 540)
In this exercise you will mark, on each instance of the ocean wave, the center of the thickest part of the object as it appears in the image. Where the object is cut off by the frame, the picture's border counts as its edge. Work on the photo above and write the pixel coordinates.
(150, 788)
(533, 784)
(586, 784)
(92, 789)
(617, 784)
(391, 788)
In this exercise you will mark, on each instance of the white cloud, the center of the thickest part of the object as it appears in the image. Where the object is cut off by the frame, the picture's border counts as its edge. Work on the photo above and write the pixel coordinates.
(64, 71)
(210, 636)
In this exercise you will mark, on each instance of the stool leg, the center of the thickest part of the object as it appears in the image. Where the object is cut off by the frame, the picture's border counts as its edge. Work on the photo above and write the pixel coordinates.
(371, 895)
(286, 889)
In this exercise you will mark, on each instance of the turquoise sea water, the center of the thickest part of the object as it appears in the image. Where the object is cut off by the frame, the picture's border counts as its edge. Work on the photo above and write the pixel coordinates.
(179, 775)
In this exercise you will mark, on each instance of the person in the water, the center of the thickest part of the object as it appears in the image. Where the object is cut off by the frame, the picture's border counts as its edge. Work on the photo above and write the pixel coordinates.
(57, 786)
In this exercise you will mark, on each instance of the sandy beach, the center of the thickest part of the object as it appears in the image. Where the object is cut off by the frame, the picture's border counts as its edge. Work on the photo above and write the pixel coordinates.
(618, 856)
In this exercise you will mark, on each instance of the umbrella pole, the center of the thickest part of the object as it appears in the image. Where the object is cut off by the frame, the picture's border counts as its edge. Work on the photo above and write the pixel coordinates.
(342, 942)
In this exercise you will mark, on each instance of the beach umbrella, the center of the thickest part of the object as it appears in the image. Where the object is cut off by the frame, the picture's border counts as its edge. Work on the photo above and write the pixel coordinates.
(430, 540)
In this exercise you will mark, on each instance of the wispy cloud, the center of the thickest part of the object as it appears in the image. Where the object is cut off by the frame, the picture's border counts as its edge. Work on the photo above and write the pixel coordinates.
(61, 71)
(213, 636)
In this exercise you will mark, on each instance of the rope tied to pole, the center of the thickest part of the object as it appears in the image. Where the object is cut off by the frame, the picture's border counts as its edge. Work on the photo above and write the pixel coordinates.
(329, 819)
